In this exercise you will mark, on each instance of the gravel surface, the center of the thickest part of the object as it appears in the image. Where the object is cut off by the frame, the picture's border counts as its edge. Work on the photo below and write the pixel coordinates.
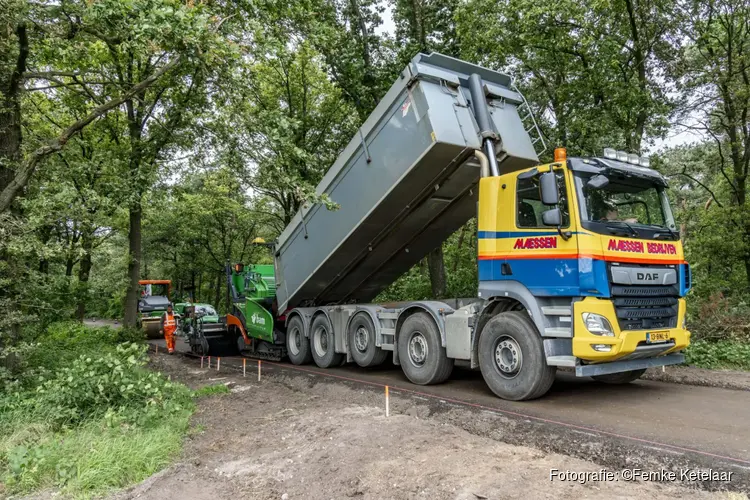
(300, 436)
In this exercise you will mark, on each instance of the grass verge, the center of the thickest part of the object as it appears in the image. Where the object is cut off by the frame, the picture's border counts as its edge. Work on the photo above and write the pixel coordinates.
(80, 413)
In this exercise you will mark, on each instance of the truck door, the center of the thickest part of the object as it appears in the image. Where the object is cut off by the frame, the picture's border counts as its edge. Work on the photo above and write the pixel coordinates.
(543, 258)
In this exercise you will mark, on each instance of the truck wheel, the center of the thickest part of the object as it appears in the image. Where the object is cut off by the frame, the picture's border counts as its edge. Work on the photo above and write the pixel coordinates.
(361, 340)
(620, 378)
(420, 351)
(511, 357)
(322, 343)
(297, 345)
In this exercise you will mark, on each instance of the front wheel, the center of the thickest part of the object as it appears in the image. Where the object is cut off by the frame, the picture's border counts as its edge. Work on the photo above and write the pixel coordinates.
(511, 357)
(620, 378)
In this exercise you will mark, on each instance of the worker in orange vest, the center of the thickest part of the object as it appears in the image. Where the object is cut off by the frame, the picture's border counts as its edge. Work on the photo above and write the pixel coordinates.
(168, 327)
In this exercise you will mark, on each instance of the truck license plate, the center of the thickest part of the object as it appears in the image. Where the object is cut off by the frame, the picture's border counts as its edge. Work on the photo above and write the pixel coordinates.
(657, 337)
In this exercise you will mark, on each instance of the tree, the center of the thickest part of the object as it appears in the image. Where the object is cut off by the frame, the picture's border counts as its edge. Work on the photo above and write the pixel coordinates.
(284, 127)
(714, 76)
(594, 73)
(200, 224)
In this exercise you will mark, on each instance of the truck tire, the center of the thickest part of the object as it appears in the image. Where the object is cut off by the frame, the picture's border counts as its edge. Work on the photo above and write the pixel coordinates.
(297, 345)
(620, 378)
(420, 351)
(511, 357)
(361, 341)
(322, 343)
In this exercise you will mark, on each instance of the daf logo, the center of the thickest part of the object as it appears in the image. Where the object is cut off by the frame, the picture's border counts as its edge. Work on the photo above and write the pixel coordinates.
(648, 276)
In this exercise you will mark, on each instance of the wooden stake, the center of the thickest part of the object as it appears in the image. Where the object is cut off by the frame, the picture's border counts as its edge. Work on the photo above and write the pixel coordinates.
(209, 362)
(156, 351)
(258, 370)
(387, 403)
(244, 371)
(201, 362)
(218, 364)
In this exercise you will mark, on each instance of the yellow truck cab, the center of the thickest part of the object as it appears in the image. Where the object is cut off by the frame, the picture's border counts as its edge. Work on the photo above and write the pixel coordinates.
(592, 251)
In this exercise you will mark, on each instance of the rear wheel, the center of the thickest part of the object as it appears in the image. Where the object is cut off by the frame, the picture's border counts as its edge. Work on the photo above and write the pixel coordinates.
(297, 345)
(420, 351)
(620, 378)
(511, 357)
(361, 339)
(322, 343)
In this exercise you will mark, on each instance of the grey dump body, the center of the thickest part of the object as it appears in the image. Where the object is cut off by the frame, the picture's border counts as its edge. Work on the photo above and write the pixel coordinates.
(405, 182)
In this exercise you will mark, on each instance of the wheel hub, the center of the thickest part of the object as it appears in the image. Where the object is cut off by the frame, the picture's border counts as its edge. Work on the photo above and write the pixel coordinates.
(508, 357)
(361, 339)
(418, 349)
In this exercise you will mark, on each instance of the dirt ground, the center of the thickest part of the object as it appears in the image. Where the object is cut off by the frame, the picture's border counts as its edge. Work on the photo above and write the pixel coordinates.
(300, 437)
(691, 375)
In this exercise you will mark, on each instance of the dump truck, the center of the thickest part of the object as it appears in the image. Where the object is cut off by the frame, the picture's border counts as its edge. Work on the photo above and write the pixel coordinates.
(580, 262)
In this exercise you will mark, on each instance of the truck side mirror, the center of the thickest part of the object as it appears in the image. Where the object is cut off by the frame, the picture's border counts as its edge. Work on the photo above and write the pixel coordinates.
(597, 182)
(548, 188)
(552, 217)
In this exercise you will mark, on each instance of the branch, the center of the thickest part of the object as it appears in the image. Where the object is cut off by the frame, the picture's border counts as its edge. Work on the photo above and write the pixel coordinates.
(700, 184)
(28, 167)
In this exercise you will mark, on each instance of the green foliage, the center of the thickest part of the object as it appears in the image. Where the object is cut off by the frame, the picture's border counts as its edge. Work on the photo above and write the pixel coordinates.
(210, 390)
(114, 386)
(717, 318)
(723, 354)
(80, 411)
(460, 269)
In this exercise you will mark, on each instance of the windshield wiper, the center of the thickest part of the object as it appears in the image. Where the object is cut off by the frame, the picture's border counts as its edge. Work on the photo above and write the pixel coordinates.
(673, 234)
(630, 228)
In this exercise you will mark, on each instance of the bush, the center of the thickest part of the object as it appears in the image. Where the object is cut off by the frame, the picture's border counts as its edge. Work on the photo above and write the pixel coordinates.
(115, 384)
(719, 354)
(719, 318)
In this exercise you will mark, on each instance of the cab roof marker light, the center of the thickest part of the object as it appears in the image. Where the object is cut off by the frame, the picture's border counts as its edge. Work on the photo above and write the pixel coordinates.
(622, 156)
(610, 153)
(644, 161)
(633, 158)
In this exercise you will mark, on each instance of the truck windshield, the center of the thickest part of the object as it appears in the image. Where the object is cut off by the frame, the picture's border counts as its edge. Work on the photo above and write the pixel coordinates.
(632, 206)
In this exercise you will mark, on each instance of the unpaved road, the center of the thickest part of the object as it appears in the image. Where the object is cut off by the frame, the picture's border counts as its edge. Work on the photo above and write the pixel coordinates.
(296, 435)
(645, 424)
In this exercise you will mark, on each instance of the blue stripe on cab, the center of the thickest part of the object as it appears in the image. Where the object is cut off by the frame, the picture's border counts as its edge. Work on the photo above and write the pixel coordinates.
(491, 235)
(556, 277)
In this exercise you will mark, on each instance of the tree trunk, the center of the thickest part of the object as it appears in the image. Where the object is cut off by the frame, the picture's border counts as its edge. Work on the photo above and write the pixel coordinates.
(134, 265)
(217, 299)
(69, 263)
(436, 264)
(83, 275)
(458, 248)
(10, 110)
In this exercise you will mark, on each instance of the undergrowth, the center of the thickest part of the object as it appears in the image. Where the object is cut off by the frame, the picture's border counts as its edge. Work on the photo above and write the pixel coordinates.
(727, 354)
(80, 412)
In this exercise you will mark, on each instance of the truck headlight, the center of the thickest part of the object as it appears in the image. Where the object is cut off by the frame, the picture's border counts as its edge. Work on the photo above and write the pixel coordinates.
(598, 324)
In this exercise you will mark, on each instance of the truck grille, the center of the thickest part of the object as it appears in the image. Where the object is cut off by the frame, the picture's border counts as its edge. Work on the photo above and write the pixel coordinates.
(645, 307)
